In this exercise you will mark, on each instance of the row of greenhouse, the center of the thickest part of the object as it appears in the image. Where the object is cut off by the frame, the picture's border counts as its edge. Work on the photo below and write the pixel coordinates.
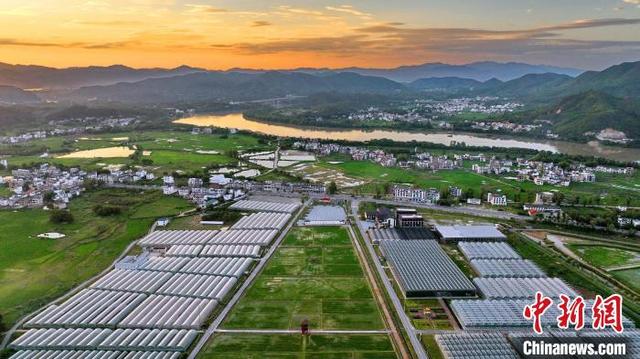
(495, 345)
(265, 206)
(199, 239)
(155, 304)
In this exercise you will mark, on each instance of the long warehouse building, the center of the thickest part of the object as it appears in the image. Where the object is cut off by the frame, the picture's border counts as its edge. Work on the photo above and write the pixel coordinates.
(457, 233)
(264, 206)
(505, 314)
(93, 354)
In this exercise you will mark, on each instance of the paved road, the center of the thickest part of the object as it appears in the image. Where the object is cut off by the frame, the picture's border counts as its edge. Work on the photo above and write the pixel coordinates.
(418, 348)
(472, 211)
(439, 331)
(452, 318)
(557, 242)
(468, 210)
(625, 267)
(377, 291)
(245, 285)
(292, 331)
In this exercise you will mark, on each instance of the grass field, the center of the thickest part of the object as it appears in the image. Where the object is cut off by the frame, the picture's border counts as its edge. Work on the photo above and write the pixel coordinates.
(249, 346)
(629, 276)
(5, 191)
(34, 271)
(314, 275)
(605, 257)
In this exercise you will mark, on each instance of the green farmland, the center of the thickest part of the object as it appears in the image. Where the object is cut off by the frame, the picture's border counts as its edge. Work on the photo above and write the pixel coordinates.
(34, 271)
(250, 346)
(631, 277)
(314, 275)
(606, 257)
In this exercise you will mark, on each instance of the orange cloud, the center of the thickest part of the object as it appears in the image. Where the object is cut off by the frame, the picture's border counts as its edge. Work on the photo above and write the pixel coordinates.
(170, 33)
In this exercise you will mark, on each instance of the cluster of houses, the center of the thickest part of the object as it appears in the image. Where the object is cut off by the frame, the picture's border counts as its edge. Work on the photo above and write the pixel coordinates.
(117, 175)
(29, 187)
(480, 104)
(356, 153)
(410, 194)
(221, 188)
(417, 111)
(421, 160)
(196, 192)
(375, 114)
(47, 185)
(615, 170)
(94, 123)
(428, 161)
(504, 126)
(100, 125)
(542, 206)
(540, 173)
(433, 195)
(626, 222)
(377, 156)
(199, 191)
(202, 130)
(24, 137)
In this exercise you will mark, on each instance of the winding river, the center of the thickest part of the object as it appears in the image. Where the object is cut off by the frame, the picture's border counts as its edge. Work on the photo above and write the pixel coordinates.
(238, 121)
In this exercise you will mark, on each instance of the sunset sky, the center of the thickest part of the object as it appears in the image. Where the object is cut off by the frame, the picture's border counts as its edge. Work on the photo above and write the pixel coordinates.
(223, 34)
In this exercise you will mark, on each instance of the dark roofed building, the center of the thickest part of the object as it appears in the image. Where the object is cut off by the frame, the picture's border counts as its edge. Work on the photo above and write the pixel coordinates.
(378, 235)
(424, 270)
(408, 217)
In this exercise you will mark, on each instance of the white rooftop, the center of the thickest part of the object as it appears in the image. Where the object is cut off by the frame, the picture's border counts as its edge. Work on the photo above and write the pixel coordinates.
(469, 232)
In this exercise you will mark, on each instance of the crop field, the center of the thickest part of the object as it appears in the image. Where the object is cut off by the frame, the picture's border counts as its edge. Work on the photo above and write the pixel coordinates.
(314, 275)
(251, 346)
(34, 271)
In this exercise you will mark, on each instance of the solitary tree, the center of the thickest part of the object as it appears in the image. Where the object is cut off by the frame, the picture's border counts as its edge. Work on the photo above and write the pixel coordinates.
(332, 188)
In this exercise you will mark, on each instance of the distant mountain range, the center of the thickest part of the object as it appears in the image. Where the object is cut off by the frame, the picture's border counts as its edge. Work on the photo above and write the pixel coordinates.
(620, 80)
(236, 86)
(40, 77)
(480, 71)
(527, 86)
